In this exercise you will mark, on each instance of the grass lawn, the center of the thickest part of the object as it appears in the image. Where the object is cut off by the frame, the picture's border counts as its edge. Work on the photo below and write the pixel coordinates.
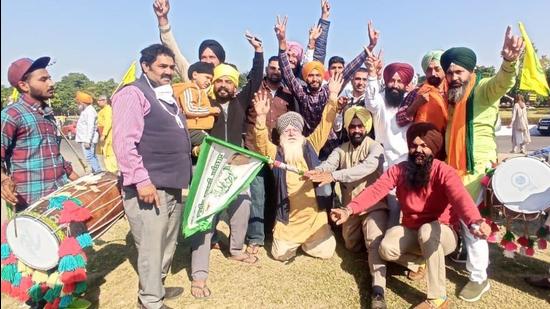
(533, 114)
(340, 282)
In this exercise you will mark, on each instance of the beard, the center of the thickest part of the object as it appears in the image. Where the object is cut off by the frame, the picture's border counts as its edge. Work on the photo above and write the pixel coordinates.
(434, 81)
(274, 78)
(293, 149)
(41, 95)
(456, 92)
(356, 139)
(223, 94)
(394, 96)
(418, 169)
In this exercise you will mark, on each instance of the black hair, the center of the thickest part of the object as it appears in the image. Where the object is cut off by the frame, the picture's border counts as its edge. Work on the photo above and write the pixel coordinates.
(150, 53)
(336, 59)
(273, 58)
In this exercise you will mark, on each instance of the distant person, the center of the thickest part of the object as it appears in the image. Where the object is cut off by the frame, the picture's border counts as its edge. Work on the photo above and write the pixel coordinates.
(520, 126)
(104, 127)
(86, 129)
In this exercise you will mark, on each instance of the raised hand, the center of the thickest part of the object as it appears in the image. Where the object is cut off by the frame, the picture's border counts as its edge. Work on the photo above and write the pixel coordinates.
(374, 63)
(280, 28)
(335, 84)
(325, 9)
(315, 32)
(513, 46)
(254, 41)
(161, 7)
(374, 35)
(261, 103)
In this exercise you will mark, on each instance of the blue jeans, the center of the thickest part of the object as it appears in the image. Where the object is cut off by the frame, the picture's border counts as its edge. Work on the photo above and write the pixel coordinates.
(91, 157)
(255, 233)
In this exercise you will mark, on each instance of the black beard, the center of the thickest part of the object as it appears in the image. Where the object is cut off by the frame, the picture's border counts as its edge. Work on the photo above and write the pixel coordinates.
(434, 81)
(274, 78)
(418, 173)
(228, 96)
(356, 139)
(394, 96)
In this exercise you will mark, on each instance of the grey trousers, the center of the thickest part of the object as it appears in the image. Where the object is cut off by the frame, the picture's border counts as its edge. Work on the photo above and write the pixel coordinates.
(238, 213)
(155, 231)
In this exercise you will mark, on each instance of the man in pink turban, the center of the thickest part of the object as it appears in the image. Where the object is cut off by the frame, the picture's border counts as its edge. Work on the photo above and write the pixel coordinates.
(396, 77)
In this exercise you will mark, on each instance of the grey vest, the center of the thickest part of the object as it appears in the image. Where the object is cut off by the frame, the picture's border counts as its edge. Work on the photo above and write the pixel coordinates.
(164, 147)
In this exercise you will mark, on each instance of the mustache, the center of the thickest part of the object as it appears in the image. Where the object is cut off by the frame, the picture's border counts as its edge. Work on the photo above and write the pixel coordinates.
(166, 76)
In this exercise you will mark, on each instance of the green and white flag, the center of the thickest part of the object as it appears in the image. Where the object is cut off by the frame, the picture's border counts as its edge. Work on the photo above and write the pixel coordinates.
(223, 171)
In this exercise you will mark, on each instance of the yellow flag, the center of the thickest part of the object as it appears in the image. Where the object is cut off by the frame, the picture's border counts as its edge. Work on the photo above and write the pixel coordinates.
(14, 95)
(532, 75)
(130, 75)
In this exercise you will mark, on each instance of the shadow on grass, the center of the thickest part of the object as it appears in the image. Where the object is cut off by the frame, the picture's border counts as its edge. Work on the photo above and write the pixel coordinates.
(102, 262)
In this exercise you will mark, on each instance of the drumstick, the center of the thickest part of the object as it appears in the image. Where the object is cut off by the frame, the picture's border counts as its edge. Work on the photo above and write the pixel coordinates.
(74, 150)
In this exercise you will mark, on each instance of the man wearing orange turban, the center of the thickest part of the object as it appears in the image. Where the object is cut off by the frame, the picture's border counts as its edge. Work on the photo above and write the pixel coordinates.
(86, 129)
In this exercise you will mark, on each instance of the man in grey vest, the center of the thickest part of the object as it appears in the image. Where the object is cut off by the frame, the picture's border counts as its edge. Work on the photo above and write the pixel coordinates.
(153, 152)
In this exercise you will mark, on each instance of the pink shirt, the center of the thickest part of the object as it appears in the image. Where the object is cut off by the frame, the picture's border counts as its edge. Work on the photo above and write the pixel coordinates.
(129, 109)
(425, 205)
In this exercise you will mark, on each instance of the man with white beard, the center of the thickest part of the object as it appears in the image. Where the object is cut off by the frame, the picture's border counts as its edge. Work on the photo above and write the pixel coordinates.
(301, 217)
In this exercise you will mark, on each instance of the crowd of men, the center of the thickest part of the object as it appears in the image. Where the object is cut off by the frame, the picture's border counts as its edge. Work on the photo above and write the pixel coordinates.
(408, 158)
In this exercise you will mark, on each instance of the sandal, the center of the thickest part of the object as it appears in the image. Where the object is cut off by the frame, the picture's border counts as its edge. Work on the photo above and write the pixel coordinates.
(204, 290)
(245, 258)
(253, 249)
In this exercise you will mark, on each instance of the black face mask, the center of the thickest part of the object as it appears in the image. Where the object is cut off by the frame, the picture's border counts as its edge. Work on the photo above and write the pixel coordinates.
(434, 81)
(394, 96)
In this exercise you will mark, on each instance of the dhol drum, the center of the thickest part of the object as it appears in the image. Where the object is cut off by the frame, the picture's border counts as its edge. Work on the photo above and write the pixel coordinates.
(34, 235)
(520, 187)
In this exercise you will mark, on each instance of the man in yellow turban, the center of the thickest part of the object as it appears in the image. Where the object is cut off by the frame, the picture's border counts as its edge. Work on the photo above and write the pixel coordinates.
(355, 165)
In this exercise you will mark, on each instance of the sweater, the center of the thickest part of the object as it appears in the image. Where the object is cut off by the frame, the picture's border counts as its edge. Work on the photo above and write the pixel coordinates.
(420, 206)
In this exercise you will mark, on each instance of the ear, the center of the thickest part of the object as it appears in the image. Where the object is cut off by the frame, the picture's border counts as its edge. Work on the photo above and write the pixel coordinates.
(194, 75)
(23, 87)
(144, 67)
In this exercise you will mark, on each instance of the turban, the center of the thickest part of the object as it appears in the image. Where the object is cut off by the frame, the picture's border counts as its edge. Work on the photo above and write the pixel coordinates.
(290, 119)
(312, 65)
(226, 70)
(83, 97)
(434, 55)
(200, 67)
(428, 133)
(296, 48)
(360, 112)
(405, 71)
(461, 56)
(216, 48)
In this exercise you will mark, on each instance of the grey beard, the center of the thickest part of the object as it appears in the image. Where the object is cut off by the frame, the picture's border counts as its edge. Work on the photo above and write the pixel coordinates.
(456, 94)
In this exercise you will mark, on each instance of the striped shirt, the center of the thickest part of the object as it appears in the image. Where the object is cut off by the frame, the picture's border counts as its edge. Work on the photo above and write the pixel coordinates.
(30, 152)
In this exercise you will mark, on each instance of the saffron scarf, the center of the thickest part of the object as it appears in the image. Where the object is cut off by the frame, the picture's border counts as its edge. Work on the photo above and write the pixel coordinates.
(461, 143)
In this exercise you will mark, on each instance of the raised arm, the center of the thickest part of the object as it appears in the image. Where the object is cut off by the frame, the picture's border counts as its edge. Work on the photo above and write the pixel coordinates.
(161, 8)
(498, 85)
(320, 52)
(288, 76)
(256, 75)
(314, 33)
(262, 143)
(373, 98)
(320, 135)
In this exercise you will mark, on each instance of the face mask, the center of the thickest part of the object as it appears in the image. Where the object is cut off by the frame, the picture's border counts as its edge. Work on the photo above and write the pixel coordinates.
(165, 93)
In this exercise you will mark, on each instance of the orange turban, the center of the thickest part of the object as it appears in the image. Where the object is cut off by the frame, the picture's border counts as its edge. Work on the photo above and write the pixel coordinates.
(83, 97)
(310, 66)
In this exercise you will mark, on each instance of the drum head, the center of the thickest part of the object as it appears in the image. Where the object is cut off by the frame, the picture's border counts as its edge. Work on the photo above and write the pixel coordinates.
(35, 243)
(523, 184)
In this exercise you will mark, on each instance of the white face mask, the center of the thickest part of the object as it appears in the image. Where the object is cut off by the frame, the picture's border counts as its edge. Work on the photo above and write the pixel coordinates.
(165, 93)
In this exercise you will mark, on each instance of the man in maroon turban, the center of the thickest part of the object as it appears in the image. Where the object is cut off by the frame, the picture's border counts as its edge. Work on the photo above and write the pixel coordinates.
(396, 77)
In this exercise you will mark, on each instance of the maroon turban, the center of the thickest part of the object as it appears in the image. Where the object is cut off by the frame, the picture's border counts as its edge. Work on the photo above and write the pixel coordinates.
(405, 71)
(429, 134)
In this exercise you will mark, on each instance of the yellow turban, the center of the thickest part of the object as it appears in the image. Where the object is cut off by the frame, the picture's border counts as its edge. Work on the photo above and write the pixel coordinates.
(226, 70)
(83, 97)
(360, 112)
(310, 66)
